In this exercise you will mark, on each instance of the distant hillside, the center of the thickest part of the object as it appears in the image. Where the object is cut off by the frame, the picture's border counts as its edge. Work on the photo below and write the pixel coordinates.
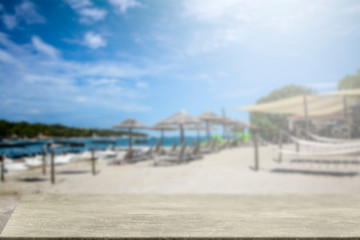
(32, 130)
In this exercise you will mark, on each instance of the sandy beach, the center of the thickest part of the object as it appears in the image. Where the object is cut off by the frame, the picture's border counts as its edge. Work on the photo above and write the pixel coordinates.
(227, 172)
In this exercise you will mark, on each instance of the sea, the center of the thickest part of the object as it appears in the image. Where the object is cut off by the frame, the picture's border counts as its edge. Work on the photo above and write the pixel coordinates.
(25, 148)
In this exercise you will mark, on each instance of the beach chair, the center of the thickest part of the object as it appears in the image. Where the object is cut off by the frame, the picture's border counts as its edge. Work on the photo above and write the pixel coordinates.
(225, 145)
(210, 148)
(127, 158)
(171, 158)
(174, 147)
(157, 147)
(194, 153)
(173, 151)
(142, 156)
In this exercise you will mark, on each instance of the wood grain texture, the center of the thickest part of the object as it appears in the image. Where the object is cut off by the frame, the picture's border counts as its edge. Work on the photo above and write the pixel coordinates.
(185, 216)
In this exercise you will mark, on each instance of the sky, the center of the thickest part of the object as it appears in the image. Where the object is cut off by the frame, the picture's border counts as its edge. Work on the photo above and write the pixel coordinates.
(90, 63)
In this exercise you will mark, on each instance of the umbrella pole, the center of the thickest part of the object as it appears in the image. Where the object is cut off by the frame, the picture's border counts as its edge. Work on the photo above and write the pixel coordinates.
(198, 135)
(181, 133)
(207, 131)
(130, 138)
(162, 137)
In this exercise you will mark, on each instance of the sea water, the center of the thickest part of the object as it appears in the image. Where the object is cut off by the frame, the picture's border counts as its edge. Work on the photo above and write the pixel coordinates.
(96, 143)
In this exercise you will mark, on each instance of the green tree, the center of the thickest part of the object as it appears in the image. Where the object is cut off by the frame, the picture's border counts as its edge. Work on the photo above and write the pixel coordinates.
(24, 129)
(350, 81)
(268, 124)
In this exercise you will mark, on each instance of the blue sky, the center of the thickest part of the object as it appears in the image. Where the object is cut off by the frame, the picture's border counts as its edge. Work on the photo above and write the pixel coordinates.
(94, 63)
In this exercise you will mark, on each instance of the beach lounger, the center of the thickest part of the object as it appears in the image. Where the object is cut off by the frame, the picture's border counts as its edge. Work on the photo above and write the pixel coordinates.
(126, 159)
(208, 148)
(194, 153)
(177, 158)
(157, 147)
(174, 147)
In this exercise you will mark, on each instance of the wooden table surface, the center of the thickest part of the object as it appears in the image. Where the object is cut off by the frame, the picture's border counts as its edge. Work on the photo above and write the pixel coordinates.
(185, 216)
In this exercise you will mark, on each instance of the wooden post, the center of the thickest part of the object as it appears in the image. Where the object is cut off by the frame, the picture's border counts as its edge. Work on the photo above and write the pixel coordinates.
(162, 137)
(207, 131)
(52, 166)
(306, 117)
(345, 107)
(182, 139)
(346, 116)
(256, 150)
(130, 138)
(2, 159)
(93, 160)
(44, 162)
(280, 144)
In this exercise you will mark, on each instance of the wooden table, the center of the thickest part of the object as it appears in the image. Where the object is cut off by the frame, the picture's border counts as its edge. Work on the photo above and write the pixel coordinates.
(185, 216)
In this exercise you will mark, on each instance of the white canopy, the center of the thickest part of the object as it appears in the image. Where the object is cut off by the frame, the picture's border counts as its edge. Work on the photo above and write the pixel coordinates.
(350, 92)
(316, 105)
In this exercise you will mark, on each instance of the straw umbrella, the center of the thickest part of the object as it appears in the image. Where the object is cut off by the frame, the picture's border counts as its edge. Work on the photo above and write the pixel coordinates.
(225, 121)
(209, 117)
(180, 119)
(130, 124)
(163, 127)
(198, 128)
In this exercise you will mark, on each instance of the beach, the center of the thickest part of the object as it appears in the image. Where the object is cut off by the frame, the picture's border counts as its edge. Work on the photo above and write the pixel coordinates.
(226, 172)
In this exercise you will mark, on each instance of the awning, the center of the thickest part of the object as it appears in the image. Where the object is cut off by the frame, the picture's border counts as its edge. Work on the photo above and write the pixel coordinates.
(327, 103)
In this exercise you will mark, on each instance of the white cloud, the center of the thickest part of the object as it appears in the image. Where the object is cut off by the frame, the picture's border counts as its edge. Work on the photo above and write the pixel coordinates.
(10, 21)
(142, 84)
(94, 40)
(88, 13)
(277, 14)
(323, 86)
(26, 11)
(122, 6)
(53, 85)
(44, 47)
(6, 57)
(92, 14)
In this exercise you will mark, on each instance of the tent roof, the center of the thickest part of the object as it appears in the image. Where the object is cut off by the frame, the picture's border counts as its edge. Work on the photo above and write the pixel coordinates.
(316, 105)
(350, 92)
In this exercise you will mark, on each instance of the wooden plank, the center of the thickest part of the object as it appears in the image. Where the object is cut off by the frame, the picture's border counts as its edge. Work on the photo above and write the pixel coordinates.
(185, 216)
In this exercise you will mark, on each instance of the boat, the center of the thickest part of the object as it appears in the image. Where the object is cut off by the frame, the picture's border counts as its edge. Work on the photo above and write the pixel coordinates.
(141, 140)
(63, 159)
(107, 153)
(34, 161)
(11, 166)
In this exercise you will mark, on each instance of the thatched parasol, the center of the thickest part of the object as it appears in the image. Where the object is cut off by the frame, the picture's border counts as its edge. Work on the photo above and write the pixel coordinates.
(130, 124)
(209, 117)
(180, 119)
(163, 127)
(199, 127)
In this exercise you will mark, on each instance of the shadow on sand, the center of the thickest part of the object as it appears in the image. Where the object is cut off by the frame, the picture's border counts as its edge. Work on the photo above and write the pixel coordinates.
(320, 161)
(73, 172)
(315, 172)
(33, 179)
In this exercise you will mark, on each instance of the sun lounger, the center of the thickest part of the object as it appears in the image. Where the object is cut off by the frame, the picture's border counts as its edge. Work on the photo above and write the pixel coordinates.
(157, 147)
(177, 158)
(194, 153)
(137, 157)
(125, 159)
(210, 148)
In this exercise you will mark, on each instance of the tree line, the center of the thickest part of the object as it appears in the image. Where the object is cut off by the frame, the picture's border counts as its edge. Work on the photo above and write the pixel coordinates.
(32, 130)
